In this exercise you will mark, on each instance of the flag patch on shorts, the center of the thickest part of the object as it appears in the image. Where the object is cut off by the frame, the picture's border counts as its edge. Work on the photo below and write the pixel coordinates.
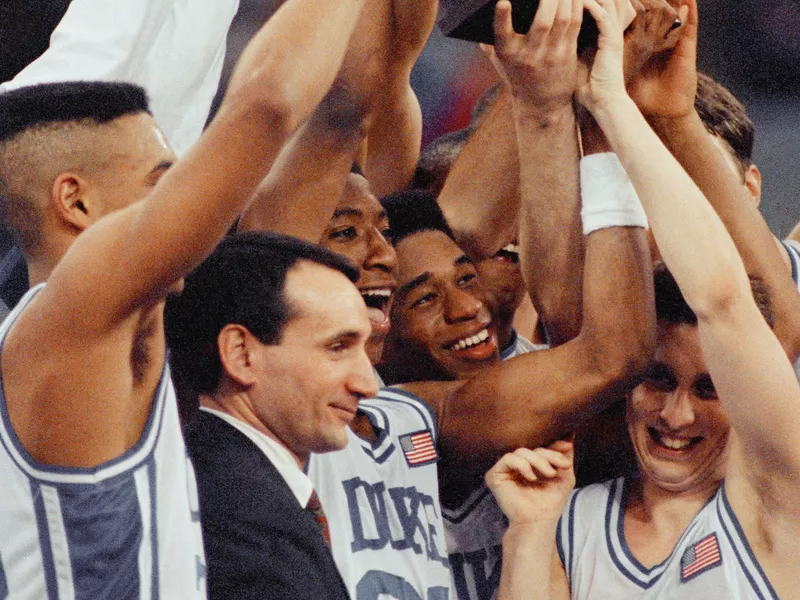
(418, 448)
(700, 557)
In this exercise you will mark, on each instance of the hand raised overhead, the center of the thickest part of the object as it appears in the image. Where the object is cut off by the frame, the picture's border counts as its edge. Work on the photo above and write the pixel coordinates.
(540, 67)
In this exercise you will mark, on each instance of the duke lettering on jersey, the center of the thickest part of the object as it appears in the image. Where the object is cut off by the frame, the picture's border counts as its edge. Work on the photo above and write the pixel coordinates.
(386, 525)
(375, 509)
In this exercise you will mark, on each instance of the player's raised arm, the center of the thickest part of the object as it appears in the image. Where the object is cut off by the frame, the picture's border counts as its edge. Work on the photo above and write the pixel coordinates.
(272, 90)
(748, 366)
(480, 196)
(665, 92)
(576, 379)
(298, 195)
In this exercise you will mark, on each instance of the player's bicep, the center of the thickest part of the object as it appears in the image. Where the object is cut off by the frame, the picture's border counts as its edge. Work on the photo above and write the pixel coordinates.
(758, 388)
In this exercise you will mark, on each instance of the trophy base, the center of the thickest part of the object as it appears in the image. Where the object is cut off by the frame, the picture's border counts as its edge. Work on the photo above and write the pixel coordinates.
(473, 20)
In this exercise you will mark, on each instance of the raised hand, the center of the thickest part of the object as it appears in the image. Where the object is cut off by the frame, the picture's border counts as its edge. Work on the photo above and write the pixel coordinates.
(656, 28)
(539, 67)
(605, 82)
(531, 486)
(666, 84)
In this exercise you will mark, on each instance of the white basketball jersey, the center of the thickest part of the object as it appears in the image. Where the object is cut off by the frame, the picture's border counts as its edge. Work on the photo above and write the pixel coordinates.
(127, 529)
(382, 503)
(793, 250)
(712, 560)
(474, 529)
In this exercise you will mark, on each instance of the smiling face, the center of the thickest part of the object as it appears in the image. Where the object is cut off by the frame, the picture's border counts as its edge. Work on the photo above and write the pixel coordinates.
(675, 420)
(308, 386)
(441, 326)
(359, 230)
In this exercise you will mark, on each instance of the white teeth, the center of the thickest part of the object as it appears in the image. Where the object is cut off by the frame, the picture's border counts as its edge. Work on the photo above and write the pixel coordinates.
(512, 248)
(385, 293)
(674, 444)
(472, 340)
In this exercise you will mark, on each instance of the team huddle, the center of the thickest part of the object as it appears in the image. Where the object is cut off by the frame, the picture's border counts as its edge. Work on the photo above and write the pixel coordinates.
(305, 360)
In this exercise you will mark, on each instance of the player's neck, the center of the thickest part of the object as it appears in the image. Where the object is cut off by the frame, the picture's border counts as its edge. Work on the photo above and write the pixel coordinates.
(655, 518)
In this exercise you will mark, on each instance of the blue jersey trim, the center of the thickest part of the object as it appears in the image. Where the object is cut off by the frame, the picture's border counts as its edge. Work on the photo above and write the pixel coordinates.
(155, 590)
(417, 403)
(724, 509)
(3, 581)
(44, 542)
(609, 528)
(104, 532)
(379, 451)
(794, 258)
(571, 536)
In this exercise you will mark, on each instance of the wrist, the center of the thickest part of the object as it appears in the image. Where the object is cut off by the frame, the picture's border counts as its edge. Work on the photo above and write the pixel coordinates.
(529, 113)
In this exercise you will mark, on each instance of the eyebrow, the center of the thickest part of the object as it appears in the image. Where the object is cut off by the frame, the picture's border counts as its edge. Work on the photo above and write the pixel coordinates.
(347, 212)
(404, 290)
(463, 260)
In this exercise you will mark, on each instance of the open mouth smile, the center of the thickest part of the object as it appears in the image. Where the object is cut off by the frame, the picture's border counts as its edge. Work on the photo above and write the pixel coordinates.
(675, 444)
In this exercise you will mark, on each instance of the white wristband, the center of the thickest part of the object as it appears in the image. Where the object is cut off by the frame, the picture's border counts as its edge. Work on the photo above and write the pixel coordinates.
(607, 195)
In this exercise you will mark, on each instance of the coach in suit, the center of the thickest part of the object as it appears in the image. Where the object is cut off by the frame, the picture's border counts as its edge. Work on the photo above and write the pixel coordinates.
(271, 331)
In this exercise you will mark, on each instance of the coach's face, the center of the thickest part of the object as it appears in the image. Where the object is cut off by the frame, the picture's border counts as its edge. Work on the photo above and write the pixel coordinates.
(308, 386)
(675, 420)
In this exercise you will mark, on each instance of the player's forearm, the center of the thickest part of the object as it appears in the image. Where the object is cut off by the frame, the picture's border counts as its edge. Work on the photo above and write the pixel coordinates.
(480, 197)
(709, 270)
(618, 333)
(528, 552)
(292, 61)
(551, 240)
(691, 144)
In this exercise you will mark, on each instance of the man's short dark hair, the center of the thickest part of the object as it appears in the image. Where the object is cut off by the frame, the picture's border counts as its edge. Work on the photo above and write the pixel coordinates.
(242, 282)
(726, 117)
(671, 307)
(52, 103)
(414, 211)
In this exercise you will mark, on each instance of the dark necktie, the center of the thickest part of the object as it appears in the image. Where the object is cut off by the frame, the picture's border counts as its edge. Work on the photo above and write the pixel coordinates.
(315, 508)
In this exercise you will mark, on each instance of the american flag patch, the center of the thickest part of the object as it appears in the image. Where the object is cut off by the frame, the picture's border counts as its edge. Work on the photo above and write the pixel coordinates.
(418, 448)
(700, 557)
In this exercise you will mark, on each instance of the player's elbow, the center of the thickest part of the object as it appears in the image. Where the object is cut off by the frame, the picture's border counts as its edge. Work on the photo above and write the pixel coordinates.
(622, 358)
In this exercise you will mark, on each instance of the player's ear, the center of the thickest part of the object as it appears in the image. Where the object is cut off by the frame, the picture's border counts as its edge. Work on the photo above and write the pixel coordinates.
(235, 354)
(72, 200)
(752, 181)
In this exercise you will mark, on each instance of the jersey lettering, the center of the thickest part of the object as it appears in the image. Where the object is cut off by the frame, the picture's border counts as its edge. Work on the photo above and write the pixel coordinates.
(373, 509)
(472, 566)
(377, 585)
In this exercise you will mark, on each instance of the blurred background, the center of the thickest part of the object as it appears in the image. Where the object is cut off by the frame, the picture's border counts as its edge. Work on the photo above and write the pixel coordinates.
(751, 46)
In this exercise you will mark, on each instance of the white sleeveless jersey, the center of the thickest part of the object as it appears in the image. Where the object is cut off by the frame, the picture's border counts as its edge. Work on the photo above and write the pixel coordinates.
(382, 503)
(127, 529)
(474, 529)
(712, 560)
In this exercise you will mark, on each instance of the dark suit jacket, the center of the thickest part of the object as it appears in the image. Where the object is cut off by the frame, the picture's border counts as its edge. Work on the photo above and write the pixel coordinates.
(259, 542)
